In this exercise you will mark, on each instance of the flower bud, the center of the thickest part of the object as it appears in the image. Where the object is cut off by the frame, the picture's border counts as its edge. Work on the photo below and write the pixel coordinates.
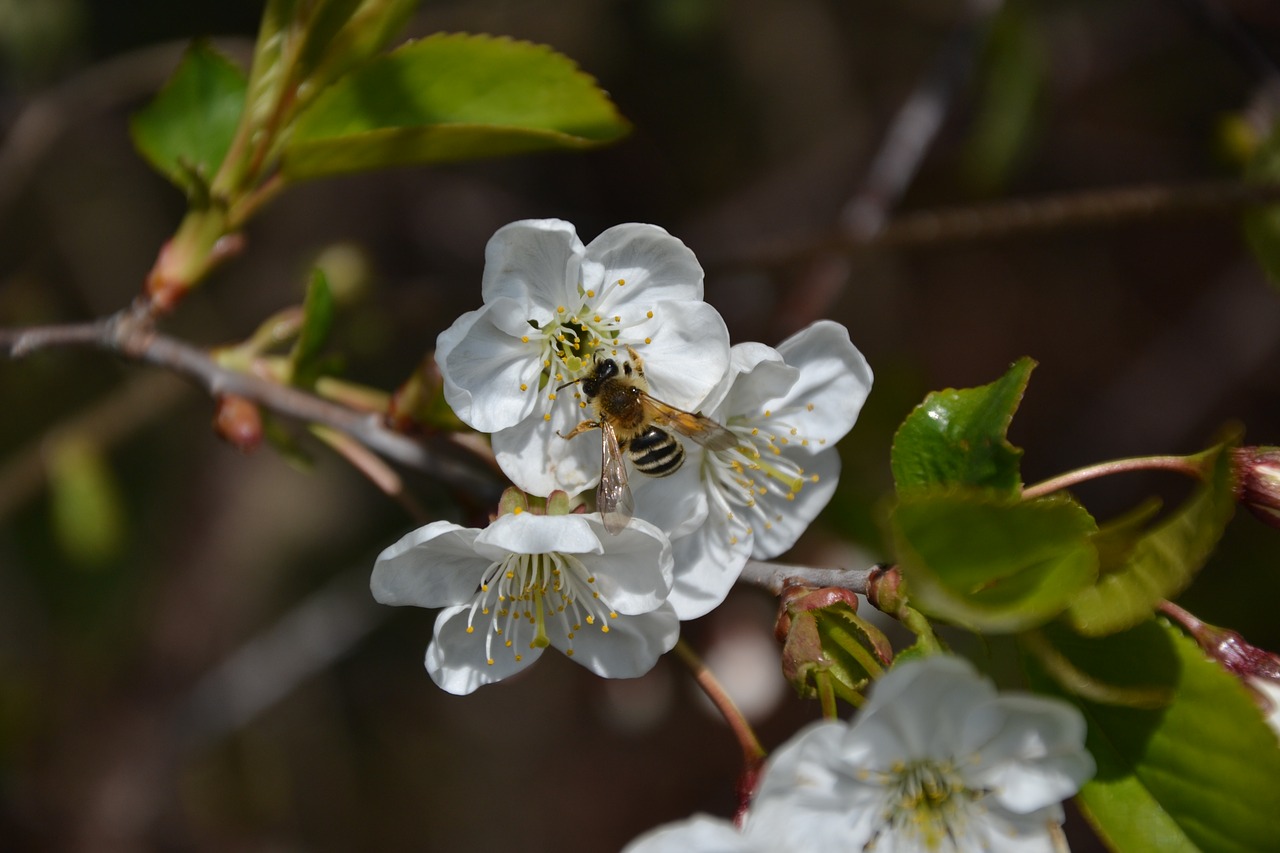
(1258, 481)
(824, 640)
(238, 422)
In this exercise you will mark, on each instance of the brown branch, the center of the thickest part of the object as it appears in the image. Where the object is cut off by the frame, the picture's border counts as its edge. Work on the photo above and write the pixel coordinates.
(1006, 219)
(773, 576)
(129, 333)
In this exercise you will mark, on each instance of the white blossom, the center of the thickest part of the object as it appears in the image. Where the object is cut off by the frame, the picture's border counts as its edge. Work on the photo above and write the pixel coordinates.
(788, 407)
(530, 581)
(550, 304)
(935, 761)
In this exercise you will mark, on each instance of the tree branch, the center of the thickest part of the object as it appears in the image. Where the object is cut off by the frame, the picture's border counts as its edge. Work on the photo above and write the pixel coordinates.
(773, 576)
(129, 333)
(1015, 218)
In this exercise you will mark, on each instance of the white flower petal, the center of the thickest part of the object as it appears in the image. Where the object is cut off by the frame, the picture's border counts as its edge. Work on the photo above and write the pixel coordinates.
(526, 533)
(675, 504)
(629, 647)
(698, 834)
(536, 262)
(785, 520)
(458, 661)
(634, 575)
(434, 566)
(708, 561)
(685, 347)
(834, 381)
(538, 460)
(485, 366)
(653, 266)
(1028, 750)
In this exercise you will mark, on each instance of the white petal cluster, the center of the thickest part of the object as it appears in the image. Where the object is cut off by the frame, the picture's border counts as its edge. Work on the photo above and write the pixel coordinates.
(551, 307)
(788, 407)
(530, 581)
(936, 760)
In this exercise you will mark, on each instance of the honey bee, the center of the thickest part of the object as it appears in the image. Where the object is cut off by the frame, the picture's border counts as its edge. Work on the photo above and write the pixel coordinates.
(634, 423)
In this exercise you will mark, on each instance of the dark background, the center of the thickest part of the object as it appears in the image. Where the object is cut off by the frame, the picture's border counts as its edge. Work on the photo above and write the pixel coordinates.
(196, 664)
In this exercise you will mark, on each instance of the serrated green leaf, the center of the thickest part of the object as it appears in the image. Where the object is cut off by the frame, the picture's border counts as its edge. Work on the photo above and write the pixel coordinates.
(1160, 563)
(992, 562)
(1200, 774)
(448, 98)
(317, 320)
(185, 132)
(957, 437)
(1262, 225)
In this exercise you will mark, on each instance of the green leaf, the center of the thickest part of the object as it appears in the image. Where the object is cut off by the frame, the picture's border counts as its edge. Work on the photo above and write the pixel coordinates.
(1012, 83)
(1201, 773)
(957, 438)
(992, 562)
(1159, 563)
(317, 320)
(447, 98)
(87, 517)
(185, 132)
(1262, 224)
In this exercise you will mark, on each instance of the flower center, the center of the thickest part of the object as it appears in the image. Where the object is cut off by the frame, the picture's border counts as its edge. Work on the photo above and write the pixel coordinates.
(926, 802)
(758, 468)
(569, 342)
(524, 596)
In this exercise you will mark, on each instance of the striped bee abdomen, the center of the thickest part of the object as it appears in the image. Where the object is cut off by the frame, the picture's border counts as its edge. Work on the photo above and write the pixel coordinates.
(656, 452)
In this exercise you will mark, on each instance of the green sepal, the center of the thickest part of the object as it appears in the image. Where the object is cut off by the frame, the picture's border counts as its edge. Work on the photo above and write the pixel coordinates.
(185, 132)
(957, 437)
(989, 561)
(827, 646)
(1143, 567)
(1201, 772)
(447, 98)
(305, 360)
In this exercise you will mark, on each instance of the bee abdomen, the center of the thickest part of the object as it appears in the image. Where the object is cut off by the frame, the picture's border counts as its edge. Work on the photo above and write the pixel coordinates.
(656, 452)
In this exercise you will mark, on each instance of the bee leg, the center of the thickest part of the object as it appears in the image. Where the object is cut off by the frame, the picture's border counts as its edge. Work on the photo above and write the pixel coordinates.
(579, 429)
(636, 361)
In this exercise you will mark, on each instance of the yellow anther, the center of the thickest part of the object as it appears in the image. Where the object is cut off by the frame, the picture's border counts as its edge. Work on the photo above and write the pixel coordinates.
(648, 340)
(490, 661)
(604, 629)
(617, 318)
(591, 293)
(551, 396)
(809, 406)
(516, 511)
(568, 653)
(649, 314)
(524, 386)
(546, 417)
(471, 629)
(621, 282)
(559, 309)
(524, 339)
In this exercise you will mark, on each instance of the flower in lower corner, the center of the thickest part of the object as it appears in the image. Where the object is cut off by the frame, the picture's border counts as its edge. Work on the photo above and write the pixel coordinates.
(551, 305)
(788, 407)
(936, 760)
(531, 581)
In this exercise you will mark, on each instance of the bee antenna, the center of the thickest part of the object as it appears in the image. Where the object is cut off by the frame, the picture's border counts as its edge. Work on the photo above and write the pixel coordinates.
(567, 384)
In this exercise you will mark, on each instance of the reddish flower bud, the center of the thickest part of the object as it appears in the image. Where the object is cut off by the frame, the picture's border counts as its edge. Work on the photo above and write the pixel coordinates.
(1258, 481)
(238, 422)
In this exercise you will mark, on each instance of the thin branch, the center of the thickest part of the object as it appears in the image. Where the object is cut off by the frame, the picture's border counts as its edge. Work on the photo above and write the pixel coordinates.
(129, 334)
(1005, 219)
(1180, 464)
(773, 576)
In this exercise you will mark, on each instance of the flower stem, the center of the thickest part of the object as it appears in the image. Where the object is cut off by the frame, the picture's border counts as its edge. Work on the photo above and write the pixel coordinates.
(1181, 464)
(752, 752)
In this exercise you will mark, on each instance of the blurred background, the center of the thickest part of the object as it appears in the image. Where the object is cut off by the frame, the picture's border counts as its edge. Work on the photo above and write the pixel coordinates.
(189, 657)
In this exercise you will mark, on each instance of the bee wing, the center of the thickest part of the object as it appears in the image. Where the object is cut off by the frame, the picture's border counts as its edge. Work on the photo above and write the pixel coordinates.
(613, 497)
(700, 428)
